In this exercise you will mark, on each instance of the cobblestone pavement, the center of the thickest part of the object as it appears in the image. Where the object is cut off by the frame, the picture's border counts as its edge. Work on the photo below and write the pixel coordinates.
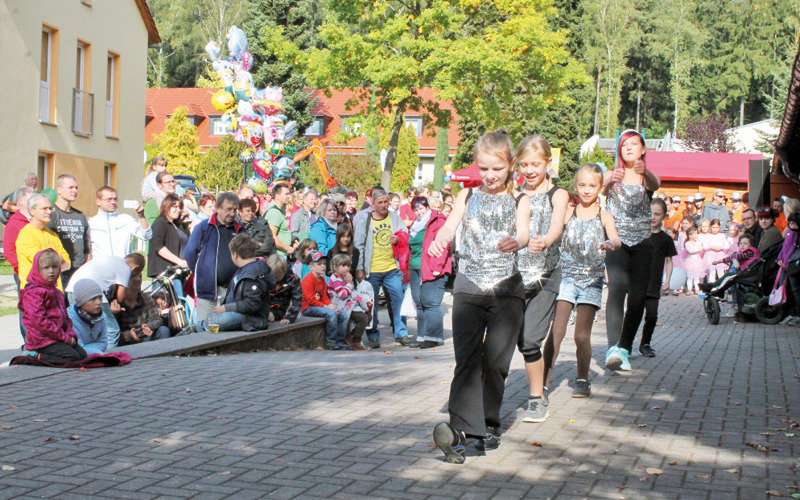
(322, 424)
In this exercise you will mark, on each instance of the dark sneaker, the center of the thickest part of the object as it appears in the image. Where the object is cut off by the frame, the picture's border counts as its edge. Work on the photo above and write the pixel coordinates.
(537, 411)
(647, 351)
(374, 343)
(331, 346)
(451, 442)
(428, 344)
(415, 345)
(583, 389)
(187, 331)
(404, 341)
(491, 441)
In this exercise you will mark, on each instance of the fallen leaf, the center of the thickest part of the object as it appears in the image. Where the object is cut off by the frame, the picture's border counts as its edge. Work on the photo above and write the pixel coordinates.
(774, 493)
(645, 479)
(534, 443)
(12, 407)
(706, 339)
(621, 487)
(654, 471)
(189, 390)
(221, 417)
(792, 487)
(767, 433)
(226, 473)
(41, 420)
(788, 434)
(701, 476)
(432, 445)
(388, 352)
(760, 446)
(655, 407)
(571, 421)
(7, 467)
(506, 427)
(47, 439)
(642, 425)
(673, 463)
(74, 437)
(156, 440)
(83, 369)
(776, 407)
(738, 404)
(6, 427)
(417, 357)
(795, 495)
(732, 471)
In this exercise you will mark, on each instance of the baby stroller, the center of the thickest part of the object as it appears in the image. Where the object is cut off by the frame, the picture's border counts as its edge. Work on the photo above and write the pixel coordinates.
(181, 311)
(752, 288)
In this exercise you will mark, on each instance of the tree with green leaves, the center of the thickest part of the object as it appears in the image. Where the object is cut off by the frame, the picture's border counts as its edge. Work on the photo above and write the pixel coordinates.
(441, 158)
(178, 144)
(220, 168)
(407, 157)
(395, 49)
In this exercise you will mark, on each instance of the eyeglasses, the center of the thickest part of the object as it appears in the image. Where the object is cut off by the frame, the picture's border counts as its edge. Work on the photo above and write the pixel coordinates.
(46, 209)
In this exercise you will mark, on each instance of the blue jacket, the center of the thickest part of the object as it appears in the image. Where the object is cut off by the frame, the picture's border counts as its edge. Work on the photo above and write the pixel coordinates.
(93, 338)
(201, 256)
(323, 234)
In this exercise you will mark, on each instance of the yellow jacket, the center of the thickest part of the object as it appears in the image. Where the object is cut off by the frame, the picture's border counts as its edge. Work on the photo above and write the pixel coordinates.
(29, 242)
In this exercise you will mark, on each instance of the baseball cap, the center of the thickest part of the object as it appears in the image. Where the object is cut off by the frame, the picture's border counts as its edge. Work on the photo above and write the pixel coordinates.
(314, 257)
(736, 196)
(719, 192)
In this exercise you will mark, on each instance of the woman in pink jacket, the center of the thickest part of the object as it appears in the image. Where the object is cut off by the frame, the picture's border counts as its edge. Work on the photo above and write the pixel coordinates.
(428, 275)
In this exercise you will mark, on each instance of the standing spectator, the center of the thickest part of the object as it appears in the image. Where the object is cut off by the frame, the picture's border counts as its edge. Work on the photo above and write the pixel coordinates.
(256, 227)
(18, 220)
(716, 210)
(71, 225)
(394, 202)
(323, 230)
(112, 274)
(112, 232)
(751, 226)
(304, 217)
(344, 244)
(140, 317)
(351, 204)
(88, 318)
(169, 240)
(699, 202)
(149, 184)
(780, 217)
(737, 207)
(205, 209)
(36, 236)
(209, 255)
(406, 212)
(11, 203)
(165, 185)
(31, 181)
(374, 238)
(276, 218)
(771, 234)
(674, 214)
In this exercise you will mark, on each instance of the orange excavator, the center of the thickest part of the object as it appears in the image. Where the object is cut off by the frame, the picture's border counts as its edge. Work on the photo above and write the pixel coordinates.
(317, 152)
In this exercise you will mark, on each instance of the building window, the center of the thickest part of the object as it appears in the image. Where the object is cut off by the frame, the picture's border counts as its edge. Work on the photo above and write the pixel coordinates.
(418, 172)
(317, 127)
(48, 75)
(112, 95)
(415, 122)
(44, 168)
(109, 174)
(218, 127)
(83, 100)
(351, 125)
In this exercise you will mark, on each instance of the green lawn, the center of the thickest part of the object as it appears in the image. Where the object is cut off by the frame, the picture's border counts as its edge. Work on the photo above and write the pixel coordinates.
(5, 268)
(5, 311)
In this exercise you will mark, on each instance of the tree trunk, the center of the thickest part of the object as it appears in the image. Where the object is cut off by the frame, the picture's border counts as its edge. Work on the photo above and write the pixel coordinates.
(596, 128)
(741, 111)
(391, 153)
(638, 104)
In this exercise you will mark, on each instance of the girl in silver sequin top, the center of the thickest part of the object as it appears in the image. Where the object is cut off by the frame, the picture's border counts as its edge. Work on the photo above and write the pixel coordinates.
(583, 247)
(629, 188)
(487, 309)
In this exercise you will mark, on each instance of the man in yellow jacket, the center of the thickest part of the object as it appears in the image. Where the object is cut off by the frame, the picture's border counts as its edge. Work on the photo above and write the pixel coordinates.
(35, 236)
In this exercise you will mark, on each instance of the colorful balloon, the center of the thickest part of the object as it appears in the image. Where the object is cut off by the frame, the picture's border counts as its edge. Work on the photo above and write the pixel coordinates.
(213, 50)
(237, 42)
(222, 100)
(257, 185)
(247, 60)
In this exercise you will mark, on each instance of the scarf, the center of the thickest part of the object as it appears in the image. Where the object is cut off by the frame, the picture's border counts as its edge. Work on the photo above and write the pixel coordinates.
(92, 320)
(419, 224)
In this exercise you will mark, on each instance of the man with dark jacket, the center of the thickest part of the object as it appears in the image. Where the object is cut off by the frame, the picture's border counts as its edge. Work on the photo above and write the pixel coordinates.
(208, 256)
(246, 305)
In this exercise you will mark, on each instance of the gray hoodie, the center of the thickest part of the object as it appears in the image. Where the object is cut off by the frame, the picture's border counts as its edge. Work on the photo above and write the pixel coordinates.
(712, 211)
(363, 225)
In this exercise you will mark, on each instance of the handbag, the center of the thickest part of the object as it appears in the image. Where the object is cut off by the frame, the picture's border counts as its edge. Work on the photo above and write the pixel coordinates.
(176, 319)
(408, 309)
(778, 296)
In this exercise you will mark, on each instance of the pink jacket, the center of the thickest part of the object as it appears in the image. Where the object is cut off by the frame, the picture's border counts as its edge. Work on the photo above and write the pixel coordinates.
(403, 255)
(44, 312)
(440, 265)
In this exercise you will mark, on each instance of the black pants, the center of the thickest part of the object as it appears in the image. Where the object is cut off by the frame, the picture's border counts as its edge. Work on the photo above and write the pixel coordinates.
(59, 351)
(628, 271)
(650, 318)
(485, 332)
(540, 306)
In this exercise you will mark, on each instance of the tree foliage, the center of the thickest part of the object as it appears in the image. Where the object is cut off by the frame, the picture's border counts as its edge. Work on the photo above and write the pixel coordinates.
(407, 157)
(178, 144)
(708, 134)
(441, 158)
(355, 172)
(220, 168)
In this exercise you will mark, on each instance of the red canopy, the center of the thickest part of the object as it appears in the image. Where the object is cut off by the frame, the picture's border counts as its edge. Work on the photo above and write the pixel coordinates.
(469, 176)
(708, 167)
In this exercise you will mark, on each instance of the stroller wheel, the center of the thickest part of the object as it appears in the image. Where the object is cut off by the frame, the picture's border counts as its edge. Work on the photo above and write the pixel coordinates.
(767, 314)
(711, 306)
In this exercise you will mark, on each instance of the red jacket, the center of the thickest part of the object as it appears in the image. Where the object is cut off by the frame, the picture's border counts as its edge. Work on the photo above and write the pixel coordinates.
(315, 292)
(440, 265)
(14, 225)
(403, 255)
(44, 312)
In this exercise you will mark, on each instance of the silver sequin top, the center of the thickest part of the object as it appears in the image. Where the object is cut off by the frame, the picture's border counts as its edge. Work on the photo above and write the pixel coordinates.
(533, 266)
(581, 261)
(630, 207)
(488, 218)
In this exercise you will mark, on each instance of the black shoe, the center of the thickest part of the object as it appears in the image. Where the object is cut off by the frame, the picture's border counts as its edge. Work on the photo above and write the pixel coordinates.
(428, 344)
(404, 341)
(489, 442)
(374, 343)
(415, 345)
(451, 442)
(647, 351)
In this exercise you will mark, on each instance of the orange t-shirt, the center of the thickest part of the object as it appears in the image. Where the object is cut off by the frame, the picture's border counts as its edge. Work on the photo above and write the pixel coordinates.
(677, 217)
(315, 292)
(780, 222)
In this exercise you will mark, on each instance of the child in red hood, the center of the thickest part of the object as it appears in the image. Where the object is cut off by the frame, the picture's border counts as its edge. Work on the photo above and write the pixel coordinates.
(44, 312)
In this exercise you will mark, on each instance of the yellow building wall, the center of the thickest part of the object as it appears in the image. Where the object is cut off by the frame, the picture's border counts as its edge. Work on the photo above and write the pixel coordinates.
(109, 26)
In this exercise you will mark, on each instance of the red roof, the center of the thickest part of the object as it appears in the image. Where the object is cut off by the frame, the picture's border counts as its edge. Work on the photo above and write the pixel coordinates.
(709, 167)
(160, 103)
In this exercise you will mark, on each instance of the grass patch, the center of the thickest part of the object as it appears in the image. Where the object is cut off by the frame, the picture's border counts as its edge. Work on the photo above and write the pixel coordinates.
(5, 311)
(5, 268)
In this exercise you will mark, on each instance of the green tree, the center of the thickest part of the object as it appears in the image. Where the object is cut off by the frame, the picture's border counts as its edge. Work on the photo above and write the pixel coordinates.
(441, 158)
(407, 157)
(221, 168)
(354, 172)
(179, 145)
(395, 48)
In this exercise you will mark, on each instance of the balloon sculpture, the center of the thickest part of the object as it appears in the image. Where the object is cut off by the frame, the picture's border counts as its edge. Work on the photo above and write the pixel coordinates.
(253, 116)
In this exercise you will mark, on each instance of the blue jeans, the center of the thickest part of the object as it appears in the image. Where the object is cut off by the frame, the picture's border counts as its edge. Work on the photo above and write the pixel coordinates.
(22, 330)
(428, 299)
(393, 285)
(335, 322)
(228, 321)
(111, 325)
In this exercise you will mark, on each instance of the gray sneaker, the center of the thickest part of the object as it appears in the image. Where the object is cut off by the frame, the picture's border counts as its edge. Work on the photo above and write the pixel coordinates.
(537, 411)
(546, 396)
(583, 389)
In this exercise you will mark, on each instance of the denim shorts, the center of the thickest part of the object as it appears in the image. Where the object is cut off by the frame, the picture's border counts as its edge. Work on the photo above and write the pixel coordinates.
(574, 294)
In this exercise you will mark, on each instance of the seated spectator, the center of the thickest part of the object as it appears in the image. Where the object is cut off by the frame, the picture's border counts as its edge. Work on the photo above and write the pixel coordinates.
(140, 317)
(304, 249)
(323, 231)
(317, 304)
(287, 297)
(44, 312)
(88, 319)
(344, 296)
(246, 306)
(112, 274)
(256, 227)
(739, 261)
(771, 234)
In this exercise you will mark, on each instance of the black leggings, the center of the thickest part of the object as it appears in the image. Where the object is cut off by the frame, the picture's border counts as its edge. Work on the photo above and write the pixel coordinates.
(485, 333)
(59, 351)
(650, 319)
(628, 272)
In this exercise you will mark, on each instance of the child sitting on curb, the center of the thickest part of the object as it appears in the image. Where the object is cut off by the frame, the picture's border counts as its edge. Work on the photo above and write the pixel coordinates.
(88, 318)
(317, 304)
(287, 297)
(345, 297)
